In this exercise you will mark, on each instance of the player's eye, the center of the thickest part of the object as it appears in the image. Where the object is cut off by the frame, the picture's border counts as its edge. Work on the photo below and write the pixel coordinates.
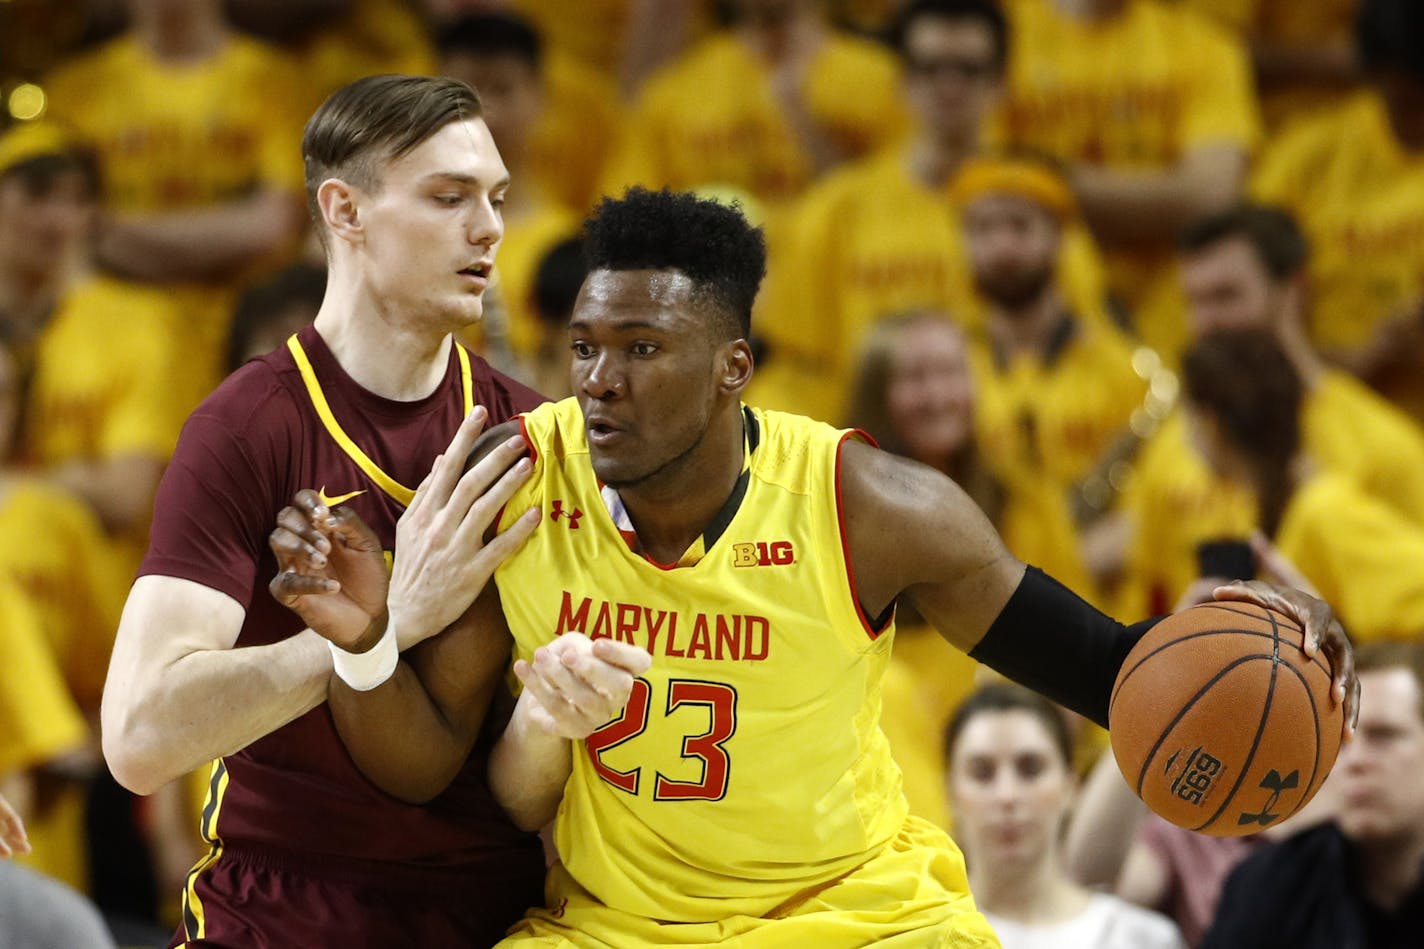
(449, 200)
(644, 349)
(581, 350)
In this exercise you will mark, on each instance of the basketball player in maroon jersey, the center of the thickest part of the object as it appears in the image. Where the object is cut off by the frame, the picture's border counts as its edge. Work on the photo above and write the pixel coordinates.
(405, 186)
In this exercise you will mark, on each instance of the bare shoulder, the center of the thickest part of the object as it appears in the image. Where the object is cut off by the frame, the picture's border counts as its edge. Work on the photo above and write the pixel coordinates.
(908, 524)
(492, 438)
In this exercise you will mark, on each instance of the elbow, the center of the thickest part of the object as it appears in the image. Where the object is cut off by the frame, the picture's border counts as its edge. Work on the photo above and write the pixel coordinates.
(134, 760)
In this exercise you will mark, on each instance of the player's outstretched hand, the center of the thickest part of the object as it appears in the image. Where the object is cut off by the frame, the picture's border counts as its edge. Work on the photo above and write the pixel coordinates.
(1323, 633)
(12, 831)
(330, 571)
(444, 558)
(580, 684)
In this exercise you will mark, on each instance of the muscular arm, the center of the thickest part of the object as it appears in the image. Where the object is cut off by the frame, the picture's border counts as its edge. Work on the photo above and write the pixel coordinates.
(1154, 206)
(412, 734)
(203, 243)
(912, 530)
(179, 695)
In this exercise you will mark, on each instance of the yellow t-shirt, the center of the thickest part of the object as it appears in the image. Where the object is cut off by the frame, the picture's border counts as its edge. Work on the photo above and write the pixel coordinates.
(526, 241)
(53, 547)
(1177, 502)
(1353, 430)
(1287, 23)
(1367, 563)
(370, 38)
(711, 118)
(572, 139)
(104, 377)
(38, 722)
(1138, 92)
(1359, 197)
(174, 137)
(749, 765)
(591, 31)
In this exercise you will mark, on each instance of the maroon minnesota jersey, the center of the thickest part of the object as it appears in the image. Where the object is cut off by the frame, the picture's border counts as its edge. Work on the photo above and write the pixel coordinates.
(290, 420)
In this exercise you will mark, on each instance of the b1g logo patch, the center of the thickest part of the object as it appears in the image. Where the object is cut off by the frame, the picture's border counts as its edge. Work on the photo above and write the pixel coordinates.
(762, 554)
(1199, 774)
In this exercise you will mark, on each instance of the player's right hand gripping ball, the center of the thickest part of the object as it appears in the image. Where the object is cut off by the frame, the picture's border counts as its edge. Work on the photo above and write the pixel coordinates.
(1219, 721)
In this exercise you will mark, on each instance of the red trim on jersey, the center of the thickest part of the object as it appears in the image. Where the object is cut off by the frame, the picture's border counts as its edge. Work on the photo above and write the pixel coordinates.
(533, 457)
(865, 621)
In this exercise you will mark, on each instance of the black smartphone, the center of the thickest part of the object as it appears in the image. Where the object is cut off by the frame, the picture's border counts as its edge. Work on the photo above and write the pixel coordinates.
(1231, 558)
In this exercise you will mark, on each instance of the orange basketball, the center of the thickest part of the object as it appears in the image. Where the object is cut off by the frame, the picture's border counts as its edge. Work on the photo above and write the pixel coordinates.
(1220, 722)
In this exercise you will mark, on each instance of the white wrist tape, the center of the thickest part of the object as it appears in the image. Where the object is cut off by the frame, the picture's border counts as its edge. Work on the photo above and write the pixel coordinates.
(363, 671)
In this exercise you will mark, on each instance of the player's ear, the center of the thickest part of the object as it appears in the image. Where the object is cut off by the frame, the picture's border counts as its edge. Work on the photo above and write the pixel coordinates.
(340, 209)
(734, 366)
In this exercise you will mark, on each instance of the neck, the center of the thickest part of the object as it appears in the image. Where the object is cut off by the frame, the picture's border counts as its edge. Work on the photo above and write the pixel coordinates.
(933, 159)
(1027, 328)
(1091, 9)
(1026, 894)
(1391, 869)
(672, 509)
(782, 39)
(186, 32)
(386, 353)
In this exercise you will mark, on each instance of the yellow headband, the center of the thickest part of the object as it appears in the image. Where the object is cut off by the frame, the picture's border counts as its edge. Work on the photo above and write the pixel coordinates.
(1020, 177)
(29, 140)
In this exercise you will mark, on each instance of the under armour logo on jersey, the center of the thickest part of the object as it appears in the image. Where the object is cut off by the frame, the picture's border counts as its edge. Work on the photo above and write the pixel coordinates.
(558, 511)
(1274, 783)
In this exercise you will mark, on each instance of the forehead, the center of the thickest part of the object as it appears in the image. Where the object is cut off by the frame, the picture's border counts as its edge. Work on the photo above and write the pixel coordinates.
(461, 148)
(661, 298)
(1391, 697)
(1004, 733)
(1003, 206)
(930, 35)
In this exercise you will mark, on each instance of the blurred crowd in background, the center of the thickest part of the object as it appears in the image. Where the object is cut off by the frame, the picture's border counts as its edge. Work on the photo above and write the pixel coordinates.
(1145, 276)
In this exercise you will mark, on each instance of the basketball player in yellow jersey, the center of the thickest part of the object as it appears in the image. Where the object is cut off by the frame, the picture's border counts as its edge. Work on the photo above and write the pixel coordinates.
(739, 570)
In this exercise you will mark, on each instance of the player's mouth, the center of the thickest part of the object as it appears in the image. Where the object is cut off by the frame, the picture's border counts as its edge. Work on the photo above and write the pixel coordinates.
(478, 274)
(601, 432)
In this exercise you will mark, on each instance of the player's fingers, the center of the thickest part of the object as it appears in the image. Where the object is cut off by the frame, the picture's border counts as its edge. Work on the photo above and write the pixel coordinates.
(613, 683)
(562, 714)
(422, 490)
(477, 520)
(302, 524)
(449, 466)
(288, 586)
(506, 543)
(294, 553)
(584, 702)
(635, 660)
(490, 474)
(354, 532)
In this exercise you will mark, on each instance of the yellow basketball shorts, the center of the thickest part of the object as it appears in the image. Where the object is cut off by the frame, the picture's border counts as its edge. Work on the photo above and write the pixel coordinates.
(911, 895)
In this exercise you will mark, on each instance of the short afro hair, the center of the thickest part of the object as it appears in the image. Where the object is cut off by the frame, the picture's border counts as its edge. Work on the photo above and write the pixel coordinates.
(711, 243)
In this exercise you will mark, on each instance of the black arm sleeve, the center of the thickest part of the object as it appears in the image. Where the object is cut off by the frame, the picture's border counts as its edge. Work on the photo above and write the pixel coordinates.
(1053, 641)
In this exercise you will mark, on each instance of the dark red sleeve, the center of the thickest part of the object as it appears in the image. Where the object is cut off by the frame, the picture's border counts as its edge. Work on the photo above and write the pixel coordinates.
(218, 499)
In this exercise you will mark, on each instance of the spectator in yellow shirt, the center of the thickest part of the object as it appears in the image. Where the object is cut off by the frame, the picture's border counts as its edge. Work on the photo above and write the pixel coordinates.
(1243, 402)
(765, 106)
(1056, 391)
(1355, 179)
(1244, 268)
(1152, 108)
(195, 126)
(825, 291)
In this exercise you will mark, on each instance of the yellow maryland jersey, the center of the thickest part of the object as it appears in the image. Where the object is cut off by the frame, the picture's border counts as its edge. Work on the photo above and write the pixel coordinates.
(1138, 92)
(1359, 196)
(748, 767)
(175, 137)
(109, 377)
(711, 118)
(1367, 563)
